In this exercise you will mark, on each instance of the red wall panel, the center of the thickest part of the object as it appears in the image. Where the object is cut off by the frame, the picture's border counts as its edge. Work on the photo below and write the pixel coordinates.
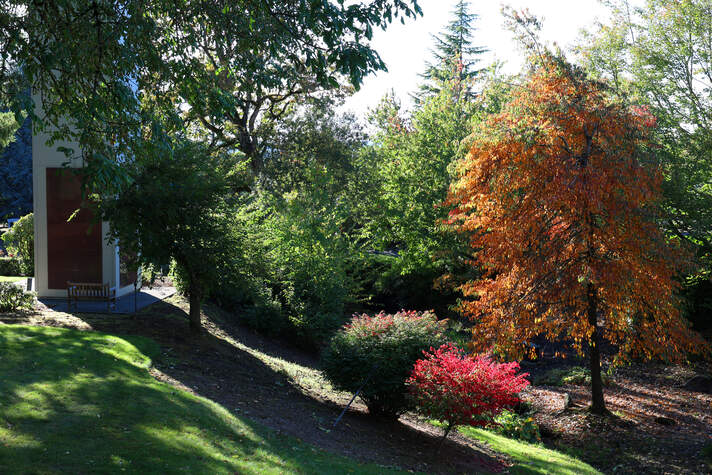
(74, 248)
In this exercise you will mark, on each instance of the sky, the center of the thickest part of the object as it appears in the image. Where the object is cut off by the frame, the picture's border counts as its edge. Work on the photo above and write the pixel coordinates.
(406, 48)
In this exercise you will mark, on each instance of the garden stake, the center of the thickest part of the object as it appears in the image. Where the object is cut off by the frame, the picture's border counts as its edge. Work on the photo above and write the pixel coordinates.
(355, 396)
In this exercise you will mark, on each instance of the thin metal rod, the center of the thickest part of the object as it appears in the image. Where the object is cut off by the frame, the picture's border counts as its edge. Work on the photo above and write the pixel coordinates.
(368, 378)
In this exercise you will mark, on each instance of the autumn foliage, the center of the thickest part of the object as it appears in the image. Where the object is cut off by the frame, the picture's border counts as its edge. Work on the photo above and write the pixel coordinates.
(559, 196)
(458, 389)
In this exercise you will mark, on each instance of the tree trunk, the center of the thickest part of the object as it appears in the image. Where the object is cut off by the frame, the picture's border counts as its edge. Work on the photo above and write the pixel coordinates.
(194, 313)
(598, 405)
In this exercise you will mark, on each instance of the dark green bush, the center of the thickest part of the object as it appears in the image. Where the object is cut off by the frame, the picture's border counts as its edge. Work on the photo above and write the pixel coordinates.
(20, 241)
(697, 292)
(14, 298)
(575, 375)
(384, 285)
(381, 349)
(514, 426)
(9, 266)
(707, 454)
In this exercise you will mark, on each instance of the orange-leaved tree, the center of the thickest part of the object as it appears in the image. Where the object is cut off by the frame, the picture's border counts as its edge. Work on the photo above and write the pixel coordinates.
(559, 197)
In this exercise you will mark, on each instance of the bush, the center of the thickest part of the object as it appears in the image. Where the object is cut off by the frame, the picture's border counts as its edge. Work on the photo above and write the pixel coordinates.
(512, 425)
(576, 376)
(13, 298)
(9, 266)
(385, 286)
(707, 454)
(288, 275)
(456, 389)
(697, 292)
(379, 352)
(20, 241)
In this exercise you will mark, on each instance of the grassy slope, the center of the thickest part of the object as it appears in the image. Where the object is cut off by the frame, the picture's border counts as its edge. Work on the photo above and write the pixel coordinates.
(78, 402)
(4, 278)
(530, 458)
(527, 458)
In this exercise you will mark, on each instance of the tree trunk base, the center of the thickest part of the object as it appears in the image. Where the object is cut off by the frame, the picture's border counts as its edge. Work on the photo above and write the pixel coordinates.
(600, 411)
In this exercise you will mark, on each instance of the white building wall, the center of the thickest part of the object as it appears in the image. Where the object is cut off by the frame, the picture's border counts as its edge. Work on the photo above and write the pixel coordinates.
(43, 157)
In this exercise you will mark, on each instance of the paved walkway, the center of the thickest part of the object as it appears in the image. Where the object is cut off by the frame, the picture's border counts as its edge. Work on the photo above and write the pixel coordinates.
(129, 303)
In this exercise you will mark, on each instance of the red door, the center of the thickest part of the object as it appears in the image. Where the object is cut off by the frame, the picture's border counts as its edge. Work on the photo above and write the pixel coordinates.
(74, 248)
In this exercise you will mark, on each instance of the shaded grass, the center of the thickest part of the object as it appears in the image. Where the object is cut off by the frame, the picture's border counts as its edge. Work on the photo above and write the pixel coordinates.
(310, 380)
(84, 402)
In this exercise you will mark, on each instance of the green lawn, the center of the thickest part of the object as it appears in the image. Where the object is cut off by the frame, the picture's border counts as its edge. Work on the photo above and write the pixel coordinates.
(4, 278)
(531, 458)
(84, 402)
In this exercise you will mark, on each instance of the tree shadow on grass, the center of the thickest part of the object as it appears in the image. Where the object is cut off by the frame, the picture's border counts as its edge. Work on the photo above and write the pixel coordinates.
(81, 402)
(239, 381)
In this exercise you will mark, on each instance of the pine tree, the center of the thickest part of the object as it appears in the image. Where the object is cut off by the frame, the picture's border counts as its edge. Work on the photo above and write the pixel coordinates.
(454, 56)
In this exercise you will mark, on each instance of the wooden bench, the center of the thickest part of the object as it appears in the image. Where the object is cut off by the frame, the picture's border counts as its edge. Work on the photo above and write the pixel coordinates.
(89, 291)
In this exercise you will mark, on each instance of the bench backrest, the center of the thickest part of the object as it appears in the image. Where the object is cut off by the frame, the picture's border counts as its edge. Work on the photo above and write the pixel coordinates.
(83, 289)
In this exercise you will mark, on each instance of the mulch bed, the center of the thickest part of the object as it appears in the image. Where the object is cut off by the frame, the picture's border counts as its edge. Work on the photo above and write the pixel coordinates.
(658, 427)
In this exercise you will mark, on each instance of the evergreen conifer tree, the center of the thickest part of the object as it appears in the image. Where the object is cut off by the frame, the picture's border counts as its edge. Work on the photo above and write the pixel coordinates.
(455, 57)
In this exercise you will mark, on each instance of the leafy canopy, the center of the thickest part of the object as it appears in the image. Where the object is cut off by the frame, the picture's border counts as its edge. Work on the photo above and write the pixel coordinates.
(107, 69)
(661, 53)
(561, 201)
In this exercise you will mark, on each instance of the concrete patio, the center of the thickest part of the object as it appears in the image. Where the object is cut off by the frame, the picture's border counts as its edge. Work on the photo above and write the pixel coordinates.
(126, 304)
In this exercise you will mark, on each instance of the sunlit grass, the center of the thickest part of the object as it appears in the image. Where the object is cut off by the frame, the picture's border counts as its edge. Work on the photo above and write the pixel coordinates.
(84, 402)
(530, 458)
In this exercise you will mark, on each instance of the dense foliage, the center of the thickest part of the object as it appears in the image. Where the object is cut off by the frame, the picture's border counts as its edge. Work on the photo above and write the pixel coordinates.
(9, 266)
(16, 172)
(659, 52)
(177, 208)
(20, 242)
(294, 272)
(560, 200)
(377, 353)
(8, 125)
(12, 298)
(457, 389)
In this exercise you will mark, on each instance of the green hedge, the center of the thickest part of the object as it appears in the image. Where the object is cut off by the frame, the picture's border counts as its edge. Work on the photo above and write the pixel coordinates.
(9, 266)
(14, 298)
(378, 352)
(20, 241)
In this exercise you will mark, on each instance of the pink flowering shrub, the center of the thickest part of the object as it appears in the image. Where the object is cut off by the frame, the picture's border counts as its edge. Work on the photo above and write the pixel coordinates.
(378, 353)
(457, 389)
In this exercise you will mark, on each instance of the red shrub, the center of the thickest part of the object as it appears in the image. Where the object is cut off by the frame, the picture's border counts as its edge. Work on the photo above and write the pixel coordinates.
(457, 389)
